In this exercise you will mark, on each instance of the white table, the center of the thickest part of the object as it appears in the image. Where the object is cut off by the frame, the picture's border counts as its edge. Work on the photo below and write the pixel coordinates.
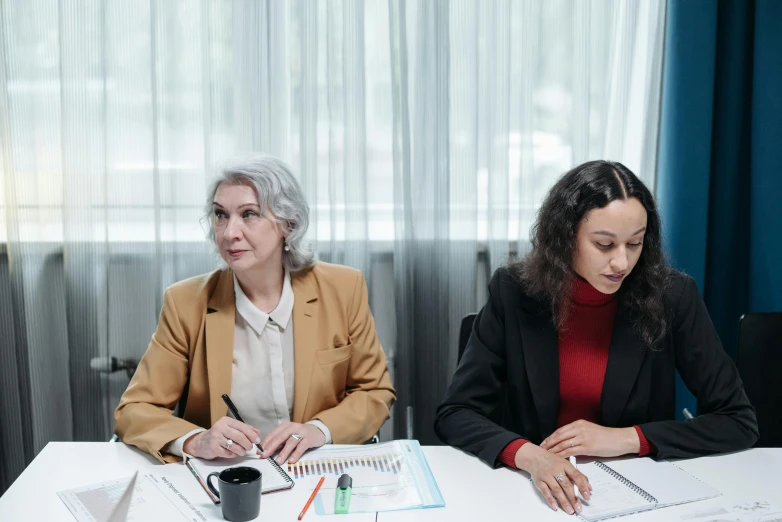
(67, 465)
(472, 490)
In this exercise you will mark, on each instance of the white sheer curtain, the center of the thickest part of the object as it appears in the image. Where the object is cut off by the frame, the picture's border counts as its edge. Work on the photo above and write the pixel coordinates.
(424, 133)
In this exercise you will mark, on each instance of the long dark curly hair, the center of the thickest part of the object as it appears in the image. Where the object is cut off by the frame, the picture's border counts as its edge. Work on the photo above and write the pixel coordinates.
(547, 271)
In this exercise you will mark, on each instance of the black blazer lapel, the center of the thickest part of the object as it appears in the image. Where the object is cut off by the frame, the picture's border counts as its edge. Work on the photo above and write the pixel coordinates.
(541, 356)
(625, 357)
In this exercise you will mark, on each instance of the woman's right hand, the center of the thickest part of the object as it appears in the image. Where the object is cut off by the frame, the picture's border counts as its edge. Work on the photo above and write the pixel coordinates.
(213, 442)
(544, 467)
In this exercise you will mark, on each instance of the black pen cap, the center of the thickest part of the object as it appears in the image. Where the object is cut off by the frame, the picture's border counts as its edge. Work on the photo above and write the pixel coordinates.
(345, 482)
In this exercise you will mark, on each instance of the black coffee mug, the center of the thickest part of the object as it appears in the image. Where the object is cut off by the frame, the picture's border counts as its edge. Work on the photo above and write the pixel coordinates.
(240, 492)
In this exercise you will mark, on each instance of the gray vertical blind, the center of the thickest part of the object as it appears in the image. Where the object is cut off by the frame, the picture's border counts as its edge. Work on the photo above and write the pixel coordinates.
(425, 134)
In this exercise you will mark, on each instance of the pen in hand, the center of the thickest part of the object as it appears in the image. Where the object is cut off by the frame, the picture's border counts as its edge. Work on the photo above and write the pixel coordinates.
(228, 402)
(575, 486)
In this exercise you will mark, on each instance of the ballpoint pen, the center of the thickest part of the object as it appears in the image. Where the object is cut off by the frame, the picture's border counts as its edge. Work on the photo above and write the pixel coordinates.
(575, 486)
(235, 413)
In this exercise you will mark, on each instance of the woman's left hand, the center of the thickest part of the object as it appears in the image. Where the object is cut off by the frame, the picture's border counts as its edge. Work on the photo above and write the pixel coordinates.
(290, 448)
(587, 438)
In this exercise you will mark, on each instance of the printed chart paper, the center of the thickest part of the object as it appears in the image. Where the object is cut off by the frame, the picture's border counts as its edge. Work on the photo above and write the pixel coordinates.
(386, 477)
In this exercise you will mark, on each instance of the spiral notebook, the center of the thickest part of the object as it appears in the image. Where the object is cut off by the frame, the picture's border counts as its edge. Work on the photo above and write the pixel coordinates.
(273, 477)
(630, 486)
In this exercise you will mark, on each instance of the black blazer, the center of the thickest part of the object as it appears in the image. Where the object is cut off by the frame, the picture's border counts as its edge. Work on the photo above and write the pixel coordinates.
(507, 383)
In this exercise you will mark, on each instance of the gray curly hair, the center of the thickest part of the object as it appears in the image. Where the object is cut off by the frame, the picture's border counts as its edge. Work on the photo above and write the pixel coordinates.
(279, 192)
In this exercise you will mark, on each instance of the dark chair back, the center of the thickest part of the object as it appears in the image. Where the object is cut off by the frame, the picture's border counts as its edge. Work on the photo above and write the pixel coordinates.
(464, 333)
(759, 361)
(464, 336)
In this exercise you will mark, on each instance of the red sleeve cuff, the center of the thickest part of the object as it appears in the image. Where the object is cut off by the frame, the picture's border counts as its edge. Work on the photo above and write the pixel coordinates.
(647, 447)
(508, 454)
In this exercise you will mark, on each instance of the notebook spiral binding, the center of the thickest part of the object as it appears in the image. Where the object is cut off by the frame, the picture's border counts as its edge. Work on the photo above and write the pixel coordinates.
(621, 478)
(281, 471)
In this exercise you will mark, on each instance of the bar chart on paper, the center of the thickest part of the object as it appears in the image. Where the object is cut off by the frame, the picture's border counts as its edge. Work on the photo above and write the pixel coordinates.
(389, 463)
(389, 476)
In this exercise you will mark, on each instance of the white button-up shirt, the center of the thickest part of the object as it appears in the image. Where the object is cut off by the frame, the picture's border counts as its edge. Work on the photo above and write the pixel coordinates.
(263, 370)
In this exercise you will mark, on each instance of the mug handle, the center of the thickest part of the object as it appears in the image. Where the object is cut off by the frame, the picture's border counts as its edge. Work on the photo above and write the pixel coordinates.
(209, 483)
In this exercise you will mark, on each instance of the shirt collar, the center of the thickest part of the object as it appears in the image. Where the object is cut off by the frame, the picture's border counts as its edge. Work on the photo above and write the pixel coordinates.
(258, 319)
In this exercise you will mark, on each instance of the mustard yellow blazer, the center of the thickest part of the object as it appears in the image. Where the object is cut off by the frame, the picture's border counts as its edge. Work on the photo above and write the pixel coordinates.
(340, 372)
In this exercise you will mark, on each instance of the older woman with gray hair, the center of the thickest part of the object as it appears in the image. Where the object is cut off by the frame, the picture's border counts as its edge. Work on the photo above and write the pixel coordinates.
(290, 339)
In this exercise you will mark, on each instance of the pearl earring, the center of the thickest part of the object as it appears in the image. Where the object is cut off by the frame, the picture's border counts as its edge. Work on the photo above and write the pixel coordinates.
(287, 247)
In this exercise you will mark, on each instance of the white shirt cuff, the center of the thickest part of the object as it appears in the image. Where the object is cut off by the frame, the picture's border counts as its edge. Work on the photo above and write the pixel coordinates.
(175, 446)
(322, 427)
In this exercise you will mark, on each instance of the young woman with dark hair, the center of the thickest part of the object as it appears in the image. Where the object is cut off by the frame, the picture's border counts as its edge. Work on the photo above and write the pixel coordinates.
(576, 351)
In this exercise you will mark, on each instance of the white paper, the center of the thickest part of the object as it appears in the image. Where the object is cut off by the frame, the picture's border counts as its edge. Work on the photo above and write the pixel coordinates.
(386, 477)
(121, 510)
(97, 502)
(735, 511)
(271, 479)
(184, 492)
(670, 485)
(609, 496)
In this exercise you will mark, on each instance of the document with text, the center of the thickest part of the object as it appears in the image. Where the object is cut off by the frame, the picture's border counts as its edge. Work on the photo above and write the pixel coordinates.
(98, 502)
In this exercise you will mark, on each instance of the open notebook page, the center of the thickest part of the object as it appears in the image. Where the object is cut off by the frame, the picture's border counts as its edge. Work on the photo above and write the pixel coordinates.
(271, 480)
(610, 497)
(664, 481)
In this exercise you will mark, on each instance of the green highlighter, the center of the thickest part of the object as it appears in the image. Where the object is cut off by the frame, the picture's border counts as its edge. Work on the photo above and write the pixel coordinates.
(344, 487)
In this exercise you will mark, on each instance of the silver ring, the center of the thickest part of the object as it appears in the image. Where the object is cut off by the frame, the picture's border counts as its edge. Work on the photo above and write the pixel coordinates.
(228, 443)
(296, 436)
(571, 443)
(560, 477)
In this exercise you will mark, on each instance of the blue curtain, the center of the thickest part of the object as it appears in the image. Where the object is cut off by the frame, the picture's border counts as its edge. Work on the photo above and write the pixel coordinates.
(719, 171)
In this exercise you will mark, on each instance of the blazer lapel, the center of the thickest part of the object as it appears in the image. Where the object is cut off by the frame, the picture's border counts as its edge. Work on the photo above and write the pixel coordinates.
(220, 317)
(541, 355)
(305, 336)
(625, 357)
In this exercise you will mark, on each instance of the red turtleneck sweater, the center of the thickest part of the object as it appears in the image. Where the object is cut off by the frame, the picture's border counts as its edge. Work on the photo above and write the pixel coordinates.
(583, 357)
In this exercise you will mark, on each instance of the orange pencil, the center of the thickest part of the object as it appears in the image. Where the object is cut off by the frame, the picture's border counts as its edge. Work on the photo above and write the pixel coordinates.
(312, 497)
